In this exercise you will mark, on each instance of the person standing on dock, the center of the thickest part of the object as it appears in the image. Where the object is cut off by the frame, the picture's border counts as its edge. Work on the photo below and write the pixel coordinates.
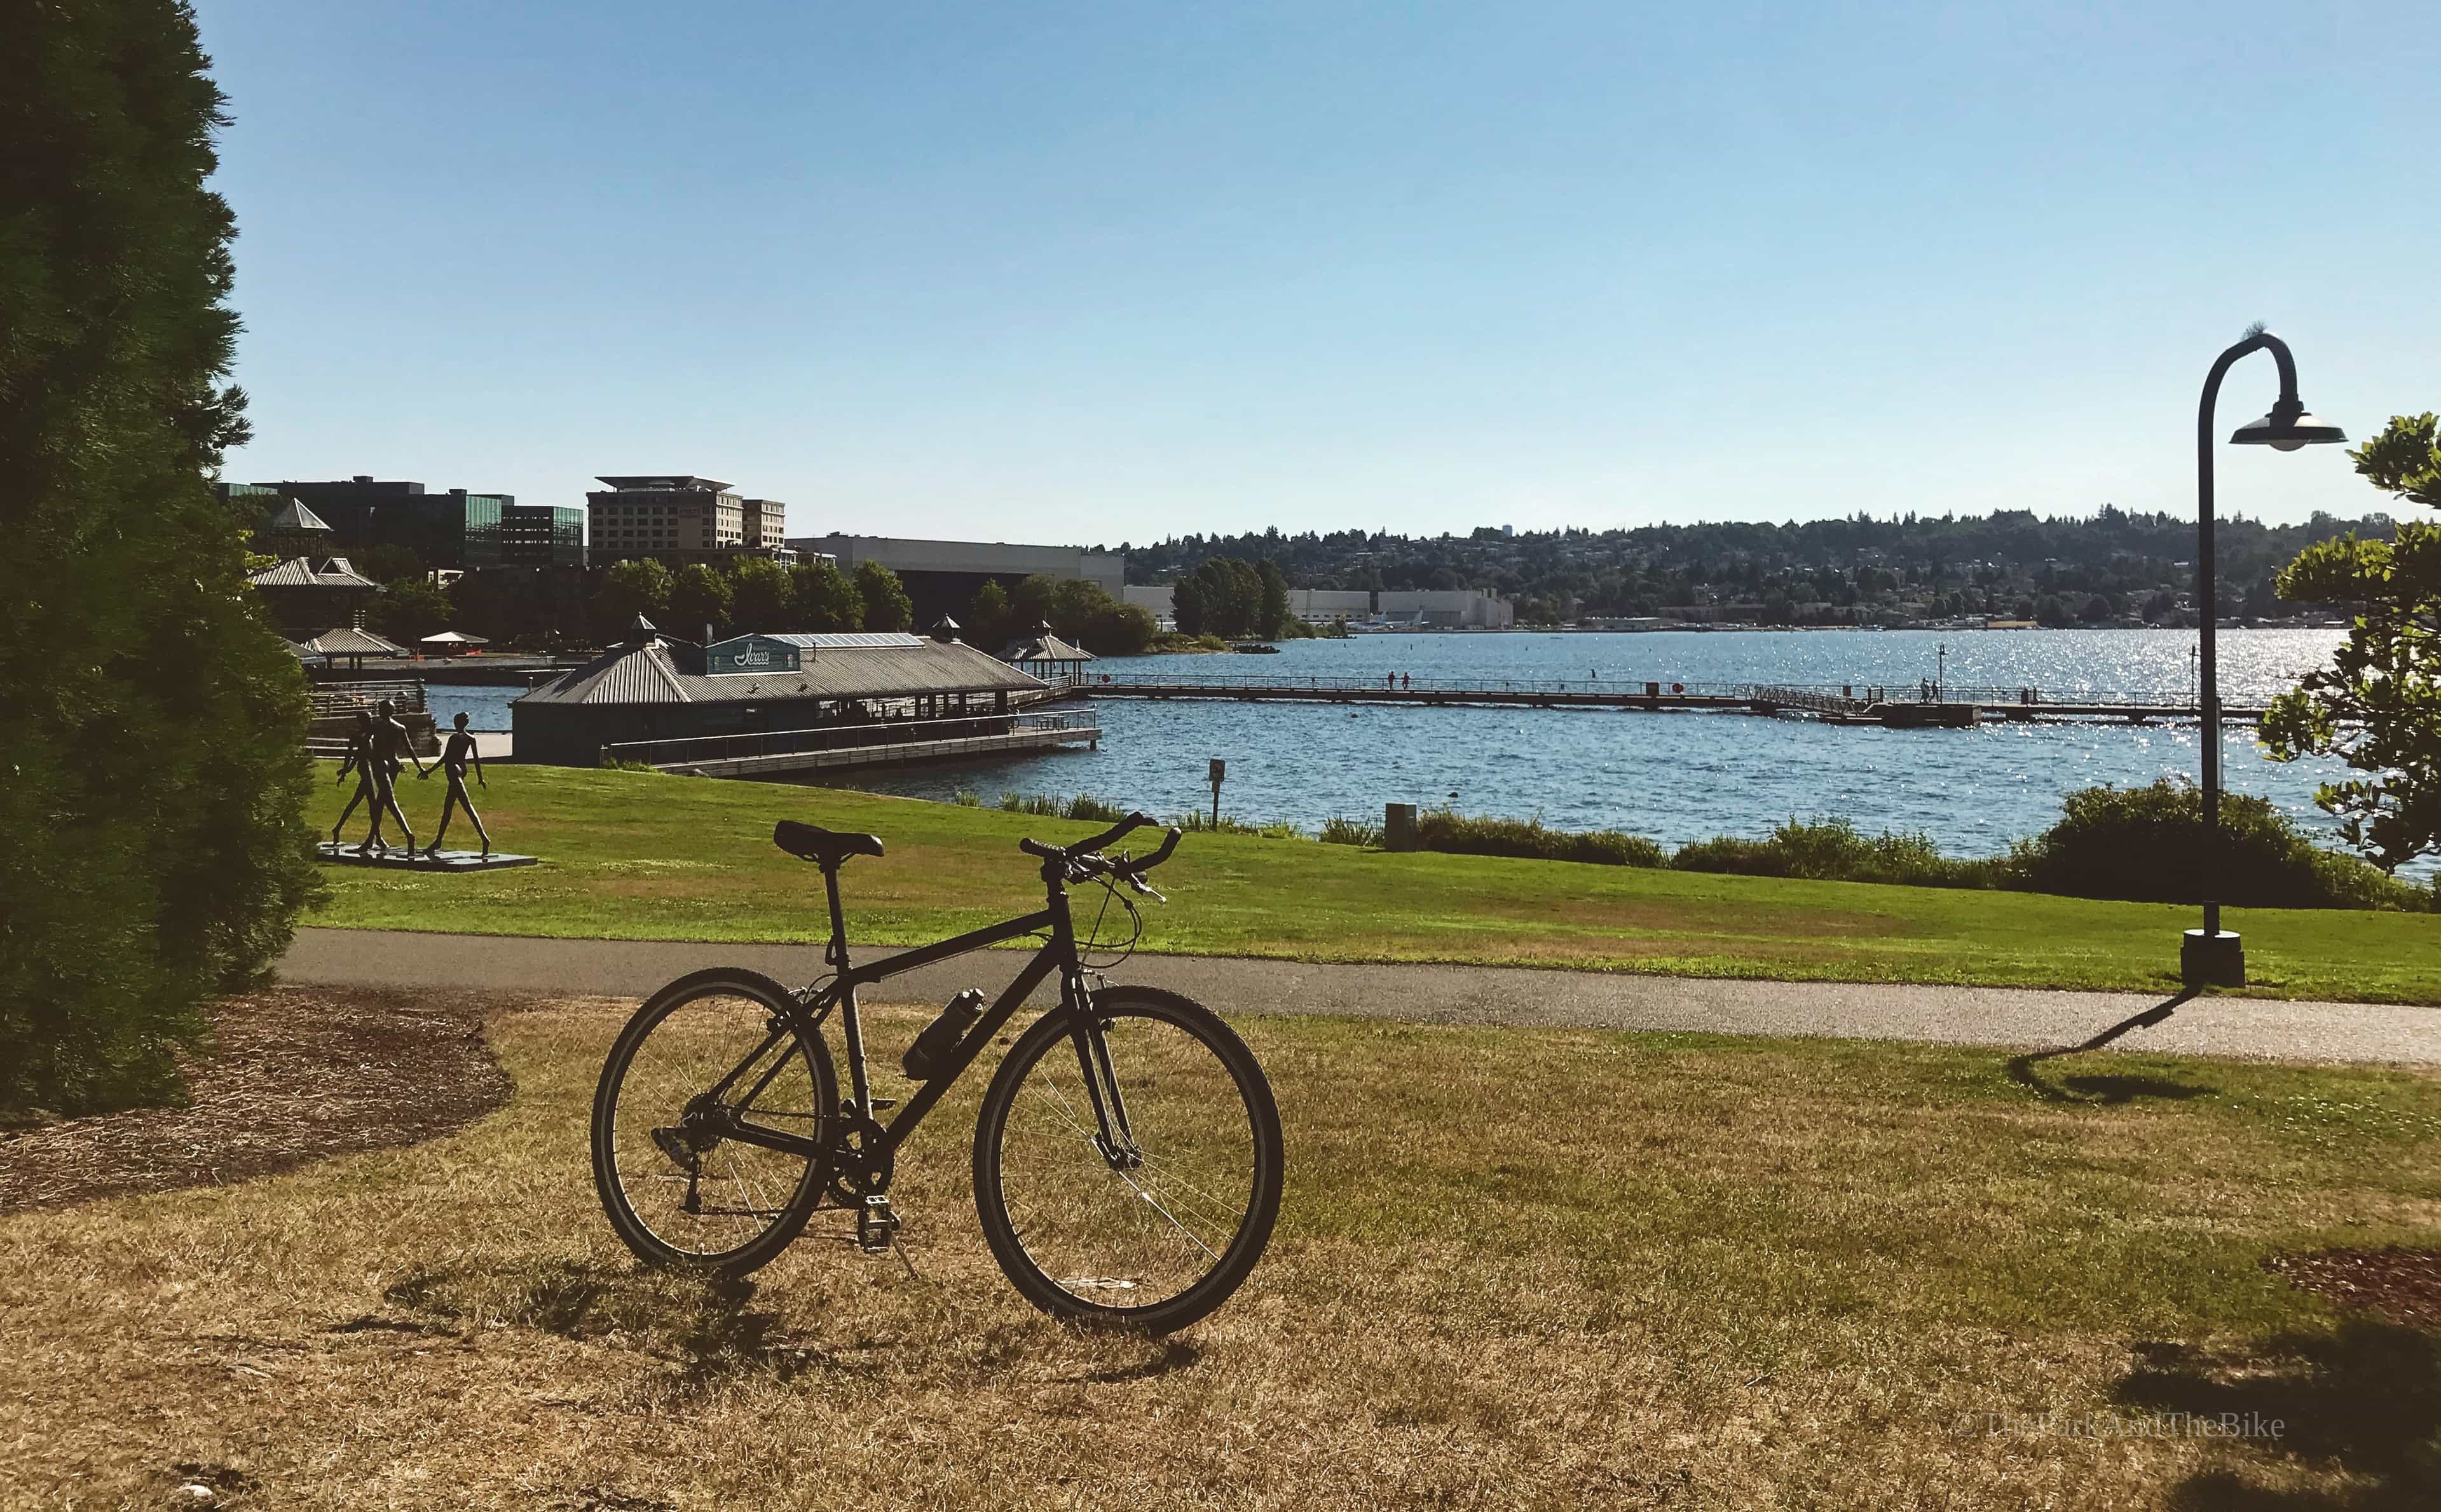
(455, 753)
(389, 739)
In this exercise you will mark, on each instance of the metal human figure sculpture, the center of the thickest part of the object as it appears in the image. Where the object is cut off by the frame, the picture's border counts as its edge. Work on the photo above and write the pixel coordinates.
(360, 760)
(389, 741)
(456, 752)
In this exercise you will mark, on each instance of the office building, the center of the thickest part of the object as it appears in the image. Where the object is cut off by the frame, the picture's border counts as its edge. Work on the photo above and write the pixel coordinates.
(676, 518)
(456, 531)
(542, 535)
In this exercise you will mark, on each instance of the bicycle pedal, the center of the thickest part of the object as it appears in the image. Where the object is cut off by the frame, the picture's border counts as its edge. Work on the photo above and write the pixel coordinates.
(876, 1225)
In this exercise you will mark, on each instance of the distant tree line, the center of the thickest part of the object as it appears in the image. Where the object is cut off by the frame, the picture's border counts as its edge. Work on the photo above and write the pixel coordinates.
(542, 606)
(1080, 612)
(2011, 564)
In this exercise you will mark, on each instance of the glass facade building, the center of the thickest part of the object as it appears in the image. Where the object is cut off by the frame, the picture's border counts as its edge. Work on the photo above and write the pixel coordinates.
(542, 535)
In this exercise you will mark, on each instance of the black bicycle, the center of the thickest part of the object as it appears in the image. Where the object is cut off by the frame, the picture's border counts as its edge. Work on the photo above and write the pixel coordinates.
(1126, 1162)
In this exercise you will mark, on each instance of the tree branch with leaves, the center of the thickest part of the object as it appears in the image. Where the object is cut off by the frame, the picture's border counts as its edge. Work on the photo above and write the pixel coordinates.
(2377, 706)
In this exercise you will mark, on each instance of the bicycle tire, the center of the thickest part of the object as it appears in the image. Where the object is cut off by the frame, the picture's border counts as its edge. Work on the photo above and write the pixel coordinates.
(633, 1227)
(1153, 1108)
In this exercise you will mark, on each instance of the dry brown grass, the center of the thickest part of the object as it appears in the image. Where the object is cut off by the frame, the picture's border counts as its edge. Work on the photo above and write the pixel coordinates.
(1514, 1268)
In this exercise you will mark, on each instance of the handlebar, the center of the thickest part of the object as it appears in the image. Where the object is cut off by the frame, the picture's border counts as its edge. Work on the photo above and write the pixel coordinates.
(1073, 854)
(1116, 832)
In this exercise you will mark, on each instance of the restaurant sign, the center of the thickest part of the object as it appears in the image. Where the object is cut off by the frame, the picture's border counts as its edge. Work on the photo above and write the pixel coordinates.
(749, 654)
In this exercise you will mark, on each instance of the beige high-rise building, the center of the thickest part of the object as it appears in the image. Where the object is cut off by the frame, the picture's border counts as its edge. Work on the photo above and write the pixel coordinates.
(678, 518)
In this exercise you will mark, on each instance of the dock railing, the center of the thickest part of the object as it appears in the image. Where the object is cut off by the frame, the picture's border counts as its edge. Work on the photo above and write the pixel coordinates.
(405, 695)
(1454, 687)
(685, 749)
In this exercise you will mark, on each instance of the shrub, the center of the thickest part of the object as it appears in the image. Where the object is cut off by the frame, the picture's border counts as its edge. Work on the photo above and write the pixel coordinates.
(153, 768)
(1445, 828)
(1082, 806)
(1337, 830)
(1199, 822)
(1834, 850)
(2146, 844)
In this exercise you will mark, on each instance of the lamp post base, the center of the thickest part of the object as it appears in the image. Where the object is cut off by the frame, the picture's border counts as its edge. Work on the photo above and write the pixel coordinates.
(2212, 960)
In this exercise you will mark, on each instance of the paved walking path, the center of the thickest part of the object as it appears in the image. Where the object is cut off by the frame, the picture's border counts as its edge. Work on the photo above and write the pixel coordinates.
(1437, 993)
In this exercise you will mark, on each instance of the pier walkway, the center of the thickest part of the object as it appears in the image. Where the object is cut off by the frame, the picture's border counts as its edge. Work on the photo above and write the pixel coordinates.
(1922, 706)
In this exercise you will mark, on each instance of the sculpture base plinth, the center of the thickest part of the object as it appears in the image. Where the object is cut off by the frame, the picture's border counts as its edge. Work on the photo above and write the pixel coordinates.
(398, 859)
(2212, 960)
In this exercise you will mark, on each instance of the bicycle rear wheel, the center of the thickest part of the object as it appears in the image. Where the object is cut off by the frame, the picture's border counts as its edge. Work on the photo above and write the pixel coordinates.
(1155, 1240)
(706, 1064)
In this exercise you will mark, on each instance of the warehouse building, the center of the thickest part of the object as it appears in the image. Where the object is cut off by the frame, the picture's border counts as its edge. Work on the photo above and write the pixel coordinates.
(943, 577)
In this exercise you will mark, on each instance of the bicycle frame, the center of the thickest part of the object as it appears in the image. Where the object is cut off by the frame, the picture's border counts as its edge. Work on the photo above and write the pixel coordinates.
(1058, 953)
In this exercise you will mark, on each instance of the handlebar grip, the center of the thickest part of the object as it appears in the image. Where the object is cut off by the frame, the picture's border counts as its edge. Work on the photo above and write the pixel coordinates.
(1115, 834)
(1038, 848)
(1168, 843)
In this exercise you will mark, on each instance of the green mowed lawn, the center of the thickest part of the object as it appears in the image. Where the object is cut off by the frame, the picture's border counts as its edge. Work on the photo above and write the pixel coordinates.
(1514, 1268)
(634, 855)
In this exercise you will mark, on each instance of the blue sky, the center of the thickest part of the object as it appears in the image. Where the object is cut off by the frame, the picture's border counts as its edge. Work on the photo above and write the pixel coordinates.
(1114, 271)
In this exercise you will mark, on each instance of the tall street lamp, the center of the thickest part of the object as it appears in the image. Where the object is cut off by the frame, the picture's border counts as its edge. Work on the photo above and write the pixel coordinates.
(2211, 956)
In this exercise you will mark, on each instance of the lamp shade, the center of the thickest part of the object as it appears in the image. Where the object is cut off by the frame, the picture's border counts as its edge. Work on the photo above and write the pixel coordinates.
(2287, 436)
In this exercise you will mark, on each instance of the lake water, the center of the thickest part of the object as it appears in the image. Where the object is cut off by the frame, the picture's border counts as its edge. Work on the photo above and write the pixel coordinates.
(1676, 777)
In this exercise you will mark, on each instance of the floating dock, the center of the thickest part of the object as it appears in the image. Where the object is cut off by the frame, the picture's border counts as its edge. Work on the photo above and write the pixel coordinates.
(1921, 707)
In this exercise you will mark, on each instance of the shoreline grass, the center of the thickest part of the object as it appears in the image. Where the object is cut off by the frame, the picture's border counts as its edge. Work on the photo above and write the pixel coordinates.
(631, 855)
(1529, 1268)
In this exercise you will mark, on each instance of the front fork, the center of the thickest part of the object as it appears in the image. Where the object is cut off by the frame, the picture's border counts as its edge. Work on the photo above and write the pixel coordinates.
(1113, 1138)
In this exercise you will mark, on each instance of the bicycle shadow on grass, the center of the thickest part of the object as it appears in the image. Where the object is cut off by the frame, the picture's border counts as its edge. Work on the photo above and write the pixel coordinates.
(708, 1329)
(2361, 1400)
(703, 1325)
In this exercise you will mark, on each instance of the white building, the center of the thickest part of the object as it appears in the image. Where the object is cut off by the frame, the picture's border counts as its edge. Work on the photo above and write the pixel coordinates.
(1313, 605)
(1449, 608)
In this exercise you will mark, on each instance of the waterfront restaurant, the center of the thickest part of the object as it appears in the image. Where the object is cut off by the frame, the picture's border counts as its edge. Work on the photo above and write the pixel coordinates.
(652, 687)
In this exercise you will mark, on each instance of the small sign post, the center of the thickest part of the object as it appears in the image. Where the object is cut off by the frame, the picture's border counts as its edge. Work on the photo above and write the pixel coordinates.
(1220, 771)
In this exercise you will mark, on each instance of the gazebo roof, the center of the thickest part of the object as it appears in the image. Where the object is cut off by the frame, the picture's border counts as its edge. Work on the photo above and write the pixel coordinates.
(344, 640)
(309, 572)
(1044, 646)
(453, 637)
(293, 516)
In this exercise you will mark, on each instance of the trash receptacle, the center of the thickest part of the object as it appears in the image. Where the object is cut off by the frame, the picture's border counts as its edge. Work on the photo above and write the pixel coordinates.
(1399, 827)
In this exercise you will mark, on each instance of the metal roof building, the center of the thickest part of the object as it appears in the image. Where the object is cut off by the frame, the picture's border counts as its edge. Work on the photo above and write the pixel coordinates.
(1045, 655)
(656, 688)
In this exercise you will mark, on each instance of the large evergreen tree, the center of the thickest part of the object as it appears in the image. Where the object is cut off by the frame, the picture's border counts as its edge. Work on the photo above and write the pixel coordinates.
(153, 774)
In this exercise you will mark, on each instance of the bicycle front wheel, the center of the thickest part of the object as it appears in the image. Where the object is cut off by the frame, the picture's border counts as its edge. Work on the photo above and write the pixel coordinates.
(1150, 1237)
(712, 1125)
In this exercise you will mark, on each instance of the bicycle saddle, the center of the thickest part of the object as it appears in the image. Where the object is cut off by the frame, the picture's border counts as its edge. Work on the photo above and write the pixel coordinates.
(824, 848)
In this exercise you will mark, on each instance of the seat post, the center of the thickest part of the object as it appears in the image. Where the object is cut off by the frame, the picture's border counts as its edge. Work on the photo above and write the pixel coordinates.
(835, 953)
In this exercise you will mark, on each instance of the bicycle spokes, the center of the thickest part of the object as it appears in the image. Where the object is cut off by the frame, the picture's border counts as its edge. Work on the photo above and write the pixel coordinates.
(1128, 1219)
